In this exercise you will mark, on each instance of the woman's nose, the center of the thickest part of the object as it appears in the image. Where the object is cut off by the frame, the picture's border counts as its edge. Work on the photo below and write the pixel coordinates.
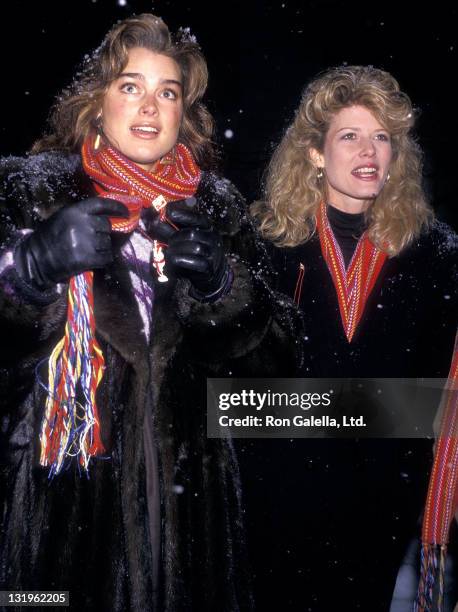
(367, 147)
(149, 106)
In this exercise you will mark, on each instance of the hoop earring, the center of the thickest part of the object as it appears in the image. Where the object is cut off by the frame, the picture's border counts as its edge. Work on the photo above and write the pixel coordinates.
(388, 176)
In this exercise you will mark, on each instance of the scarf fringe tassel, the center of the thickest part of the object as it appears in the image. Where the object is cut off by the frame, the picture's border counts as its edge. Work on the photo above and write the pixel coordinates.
(430, 595)
(70, 427)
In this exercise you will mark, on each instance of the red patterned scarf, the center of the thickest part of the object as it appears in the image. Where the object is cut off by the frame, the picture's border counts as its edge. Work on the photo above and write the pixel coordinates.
(442, 499)
(354, 284)
(70, 426)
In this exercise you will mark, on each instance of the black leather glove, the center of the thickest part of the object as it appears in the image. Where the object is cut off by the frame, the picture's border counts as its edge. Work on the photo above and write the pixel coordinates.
(73, 240)
(195, 251)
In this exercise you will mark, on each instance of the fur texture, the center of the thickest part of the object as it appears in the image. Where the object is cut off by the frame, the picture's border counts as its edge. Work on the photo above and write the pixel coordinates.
(161, 533)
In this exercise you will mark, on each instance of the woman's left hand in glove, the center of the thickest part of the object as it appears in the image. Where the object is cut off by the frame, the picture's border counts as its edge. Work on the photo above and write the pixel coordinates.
(195, 250)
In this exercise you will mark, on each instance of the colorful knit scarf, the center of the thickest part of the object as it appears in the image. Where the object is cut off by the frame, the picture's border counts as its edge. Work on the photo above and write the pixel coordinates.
(70, 426)
(442, 499)
(353, 285)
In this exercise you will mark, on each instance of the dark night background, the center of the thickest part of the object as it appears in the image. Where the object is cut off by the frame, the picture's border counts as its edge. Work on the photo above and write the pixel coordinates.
(260, 56)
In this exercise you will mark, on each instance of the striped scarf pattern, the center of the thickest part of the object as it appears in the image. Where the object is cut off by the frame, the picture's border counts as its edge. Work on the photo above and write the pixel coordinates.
(353, 285)
(71, 425)
(441, 500)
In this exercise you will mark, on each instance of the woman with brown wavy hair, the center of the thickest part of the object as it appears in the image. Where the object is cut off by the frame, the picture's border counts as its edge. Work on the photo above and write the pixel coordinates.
(374, 276)
(121, 251)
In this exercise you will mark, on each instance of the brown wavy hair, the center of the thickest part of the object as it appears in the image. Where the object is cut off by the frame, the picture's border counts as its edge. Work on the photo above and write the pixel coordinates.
(74, 114)
(293, 190)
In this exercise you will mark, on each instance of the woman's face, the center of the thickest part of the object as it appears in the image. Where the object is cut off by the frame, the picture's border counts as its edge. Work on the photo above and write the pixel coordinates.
(356, 159)
(143, 108)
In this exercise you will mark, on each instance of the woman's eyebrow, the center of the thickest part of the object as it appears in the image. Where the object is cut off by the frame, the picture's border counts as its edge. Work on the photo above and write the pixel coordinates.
(132, 75)
(171, 82)
(139, 75)
(357, 129)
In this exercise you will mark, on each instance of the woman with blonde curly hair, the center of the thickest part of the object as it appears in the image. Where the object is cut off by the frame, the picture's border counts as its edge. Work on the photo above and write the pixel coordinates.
(121, 251)
(374, 275)
(298, 179)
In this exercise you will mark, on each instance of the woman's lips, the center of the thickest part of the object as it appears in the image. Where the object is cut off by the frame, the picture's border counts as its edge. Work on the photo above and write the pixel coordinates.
(145, 132)
(367, 174)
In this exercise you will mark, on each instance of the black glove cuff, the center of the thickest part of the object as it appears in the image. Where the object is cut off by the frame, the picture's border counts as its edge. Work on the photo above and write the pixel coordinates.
(18, 287)
(224, 288)
(27, 268)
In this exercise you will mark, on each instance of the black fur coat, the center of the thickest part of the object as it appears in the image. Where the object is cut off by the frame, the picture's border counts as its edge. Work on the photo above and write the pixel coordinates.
(158, 525)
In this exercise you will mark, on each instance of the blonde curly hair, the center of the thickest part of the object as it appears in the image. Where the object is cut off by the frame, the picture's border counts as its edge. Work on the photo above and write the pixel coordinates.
(293, 190)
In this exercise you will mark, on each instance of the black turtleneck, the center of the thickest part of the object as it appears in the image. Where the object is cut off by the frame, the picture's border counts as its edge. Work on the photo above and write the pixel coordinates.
(347, 229)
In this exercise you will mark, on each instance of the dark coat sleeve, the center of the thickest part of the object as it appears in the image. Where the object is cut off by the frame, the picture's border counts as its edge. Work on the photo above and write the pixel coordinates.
(440, 248)
(25, 314)
(31, 322)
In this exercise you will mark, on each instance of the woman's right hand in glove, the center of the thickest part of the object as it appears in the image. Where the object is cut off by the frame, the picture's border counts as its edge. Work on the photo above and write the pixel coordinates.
(195, 251)
(73, 240)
